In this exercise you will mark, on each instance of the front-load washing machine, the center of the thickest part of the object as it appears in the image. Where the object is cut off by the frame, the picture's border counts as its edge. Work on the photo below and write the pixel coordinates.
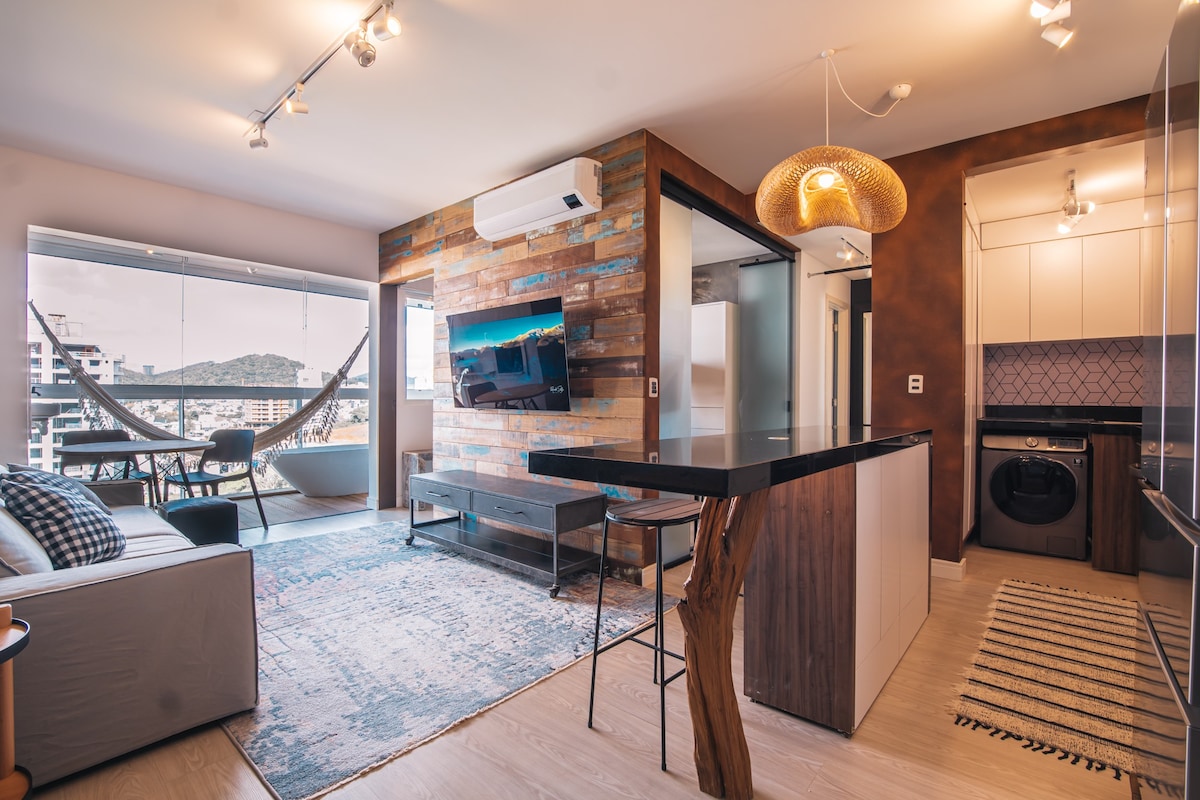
(1033, 493)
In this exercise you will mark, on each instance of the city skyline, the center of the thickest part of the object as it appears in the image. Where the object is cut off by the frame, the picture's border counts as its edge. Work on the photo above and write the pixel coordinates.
(168, 321)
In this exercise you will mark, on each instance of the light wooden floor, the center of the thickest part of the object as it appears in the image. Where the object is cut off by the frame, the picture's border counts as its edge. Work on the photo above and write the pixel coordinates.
(537, 745)
(293, 506)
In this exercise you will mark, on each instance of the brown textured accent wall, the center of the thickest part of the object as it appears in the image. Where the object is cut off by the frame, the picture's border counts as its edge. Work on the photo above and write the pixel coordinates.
(917, 292)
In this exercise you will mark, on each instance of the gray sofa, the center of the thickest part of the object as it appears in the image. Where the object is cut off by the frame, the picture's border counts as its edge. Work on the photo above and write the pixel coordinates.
(127, 652)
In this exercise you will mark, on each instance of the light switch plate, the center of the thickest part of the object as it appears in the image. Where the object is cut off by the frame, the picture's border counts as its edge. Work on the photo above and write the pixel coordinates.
(654, 387)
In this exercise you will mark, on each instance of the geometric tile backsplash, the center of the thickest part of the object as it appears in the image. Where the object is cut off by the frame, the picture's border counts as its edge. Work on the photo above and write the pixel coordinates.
(1089, 372)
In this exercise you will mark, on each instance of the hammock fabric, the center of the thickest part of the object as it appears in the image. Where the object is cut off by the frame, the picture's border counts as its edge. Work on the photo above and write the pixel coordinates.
(315, 418)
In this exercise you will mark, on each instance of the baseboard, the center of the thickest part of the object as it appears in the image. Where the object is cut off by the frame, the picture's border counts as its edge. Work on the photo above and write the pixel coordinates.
(950, 570)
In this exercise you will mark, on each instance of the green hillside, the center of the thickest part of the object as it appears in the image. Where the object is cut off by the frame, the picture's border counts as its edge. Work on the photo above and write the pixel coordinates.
(252, 370)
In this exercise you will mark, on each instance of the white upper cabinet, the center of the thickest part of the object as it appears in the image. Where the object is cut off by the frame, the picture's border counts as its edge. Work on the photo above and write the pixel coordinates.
(1056, 290)
(1112, 285)
(1004, 295)
(1084, 287)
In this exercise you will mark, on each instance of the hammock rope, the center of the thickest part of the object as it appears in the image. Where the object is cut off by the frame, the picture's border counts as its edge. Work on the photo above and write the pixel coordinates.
(314, 419)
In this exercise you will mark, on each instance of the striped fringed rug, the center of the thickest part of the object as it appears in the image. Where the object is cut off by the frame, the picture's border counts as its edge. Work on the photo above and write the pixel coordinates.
(1055, 671)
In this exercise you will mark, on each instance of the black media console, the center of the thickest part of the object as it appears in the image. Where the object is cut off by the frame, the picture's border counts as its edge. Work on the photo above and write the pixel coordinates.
(528, 504)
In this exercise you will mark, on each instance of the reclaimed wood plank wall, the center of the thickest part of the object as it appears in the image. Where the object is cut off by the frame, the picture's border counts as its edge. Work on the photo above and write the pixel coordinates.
(597, 264)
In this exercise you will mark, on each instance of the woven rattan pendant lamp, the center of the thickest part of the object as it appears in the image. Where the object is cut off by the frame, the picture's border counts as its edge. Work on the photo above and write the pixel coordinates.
(829, 185)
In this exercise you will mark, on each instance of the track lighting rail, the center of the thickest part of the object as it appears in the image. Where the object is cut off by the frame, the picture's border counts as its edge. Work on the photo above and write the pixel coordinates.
(259, 119)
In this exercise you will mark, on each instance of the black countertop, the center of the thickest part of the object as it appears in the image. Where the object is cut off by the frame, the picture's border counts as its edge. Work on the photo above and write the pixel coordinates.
(724, 465)
(1061, 419)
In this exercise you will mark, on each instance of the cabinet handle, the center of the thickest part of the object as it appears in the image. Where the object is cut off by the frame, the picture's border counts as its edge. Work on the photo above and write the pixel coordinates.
(435, 494)
(506, 510)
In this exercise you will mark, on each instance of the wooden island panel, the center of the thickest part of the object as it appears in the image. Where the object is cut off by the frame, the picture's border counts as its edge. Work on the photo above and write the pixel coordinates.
(807, 542)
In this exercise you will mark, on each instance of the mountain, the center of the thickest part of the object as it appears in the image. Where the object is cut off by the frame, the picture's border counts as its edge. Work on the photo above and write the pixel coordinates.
(252, 370)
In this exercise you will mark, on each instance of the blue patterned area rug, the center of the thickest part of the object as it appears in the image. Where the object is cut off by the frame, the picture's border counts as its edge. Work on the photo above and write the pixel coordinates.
(369, 647)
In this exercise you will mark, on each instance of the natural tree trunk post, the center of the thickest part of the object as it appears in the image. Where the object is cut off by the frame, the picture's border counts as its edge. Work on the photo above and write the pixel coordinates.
(724, 541)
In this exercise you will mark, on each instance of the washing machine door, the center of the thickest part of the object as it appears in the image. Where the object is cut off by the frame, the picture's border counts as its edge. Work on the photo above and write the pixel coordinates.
(1033, 489)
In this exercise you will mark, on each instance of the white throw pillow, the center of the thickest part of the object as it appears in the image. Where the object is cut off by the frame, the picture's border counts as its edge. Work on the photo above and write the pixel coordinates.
(20, 553)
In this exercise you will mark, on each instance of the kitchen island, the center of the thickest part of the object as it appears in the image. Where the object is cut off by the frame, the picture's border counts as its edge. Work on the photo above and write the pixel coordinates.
(735, 474)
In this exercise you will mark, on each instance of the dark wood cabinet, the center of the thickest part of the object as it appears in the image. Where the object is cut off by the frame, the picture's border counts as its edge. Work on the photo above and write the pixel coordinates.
(838, 586)
(1115, 509)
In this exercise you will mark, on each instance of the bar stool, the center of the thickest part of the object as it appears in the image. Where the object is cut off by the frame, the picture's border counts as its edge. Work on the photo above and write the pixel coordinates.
(655, 514)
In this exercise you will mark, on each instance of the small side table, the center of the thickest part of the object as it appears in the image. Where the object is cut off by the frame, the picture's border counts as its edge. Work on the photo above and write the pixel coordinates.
(15, 781)
(414, 462)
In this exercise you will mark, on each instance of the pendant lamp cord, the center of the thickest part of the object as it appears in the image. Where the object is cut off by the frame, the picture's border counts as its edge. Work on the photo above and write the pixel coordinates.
(828, 56)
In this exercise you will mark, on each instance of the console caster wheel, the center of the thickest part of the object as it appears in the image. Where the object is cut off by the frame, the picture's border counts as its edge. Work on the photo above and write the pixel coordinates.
(554, 591)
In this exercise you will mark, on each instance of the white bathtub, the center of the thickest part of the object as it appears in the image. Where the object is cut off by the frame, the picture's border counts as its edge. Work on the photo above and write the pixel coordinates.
(326, 470)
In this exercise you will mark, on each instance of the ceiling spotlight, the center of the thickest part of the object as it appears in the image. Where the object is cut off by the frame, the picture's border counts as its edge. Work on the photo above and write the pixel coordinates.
(1057, 35)
(849, 252)
(387, 26)
(1040, 8)
(1074, 209)
(362, 50)
(259, 141)
(1060, 11)
(295, 104)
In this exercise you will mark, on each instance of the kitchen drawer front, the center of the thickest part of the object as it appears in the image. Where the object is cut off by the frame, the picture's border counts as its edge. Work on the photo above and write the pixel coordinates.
(440, 494)
(508, 509)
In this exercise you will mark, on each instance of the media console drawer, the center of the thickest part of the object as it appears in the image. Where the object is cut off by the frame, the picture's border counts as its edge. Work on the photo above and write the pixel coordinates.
(512, 510)
(440, 494)
(532, 505)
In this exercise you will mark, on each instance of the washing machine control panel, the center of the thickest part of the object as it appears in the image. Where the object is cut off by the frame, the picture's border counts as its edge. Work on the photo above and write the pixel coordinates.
(1062, 444)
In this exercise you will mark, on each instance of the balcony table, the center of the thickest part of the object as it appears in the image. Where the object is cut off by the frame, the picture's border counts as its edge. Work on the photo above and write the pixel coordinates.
(734, 474)
(140, 447)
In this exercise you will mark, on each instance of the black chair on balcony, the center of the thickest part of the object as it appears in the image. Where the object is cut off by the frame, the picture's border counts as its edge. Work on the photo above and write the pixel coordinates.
(104, 468)
(476, 389)
(233, 460)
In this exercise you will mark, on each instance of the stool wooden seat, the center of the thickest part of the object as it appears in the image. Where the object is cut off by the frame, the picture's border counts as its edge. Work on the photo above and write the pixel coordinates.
(658, 514)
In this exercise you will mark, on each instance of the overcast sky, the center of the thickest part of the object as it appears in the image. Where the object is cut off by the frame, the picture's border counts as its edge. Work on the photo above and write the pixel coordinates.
(158, 318)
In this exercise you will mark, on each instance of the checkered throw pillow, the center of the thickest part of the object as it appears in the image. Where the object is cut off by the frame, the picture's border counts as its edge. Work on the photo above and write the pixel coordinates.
(62, 482)
(72, 530)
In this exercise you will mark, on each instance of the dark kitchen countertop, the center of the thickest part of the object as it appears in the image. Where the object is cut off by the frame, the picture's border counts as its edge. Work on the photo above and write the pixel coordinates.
(1065, 419)
(723, 465)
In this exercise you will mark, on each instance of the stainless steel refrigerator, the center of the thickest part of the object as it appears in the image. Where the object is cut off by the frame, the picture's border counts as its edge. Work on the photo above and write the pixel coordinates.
(1166, 717)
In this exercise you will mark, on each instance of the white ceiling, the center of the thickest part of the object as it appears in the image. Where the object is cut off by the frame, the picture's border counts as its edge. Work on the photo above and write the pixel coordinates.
(1102, 175)
(475, 92)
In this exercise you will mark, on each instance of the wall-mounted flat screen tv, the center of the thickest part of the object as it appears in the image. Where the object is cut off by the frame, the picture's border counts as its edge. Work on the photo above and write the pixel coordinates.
(511, 357)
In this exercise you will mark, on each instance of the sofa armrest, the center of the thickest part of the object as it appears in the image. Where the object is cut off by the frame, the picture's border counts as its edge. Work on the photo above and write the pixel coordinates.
(119, 492)
(125, 653)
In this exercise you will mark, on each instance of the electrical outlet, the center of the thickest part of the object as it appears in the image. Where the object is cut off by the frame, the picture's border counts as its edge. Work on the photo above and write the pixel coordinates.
(654, 387)
(916, 384)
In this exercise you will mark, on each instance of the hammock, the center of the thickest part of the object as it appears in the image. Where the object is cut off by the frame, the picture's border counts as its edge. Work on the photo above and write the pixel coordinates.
(315, 419)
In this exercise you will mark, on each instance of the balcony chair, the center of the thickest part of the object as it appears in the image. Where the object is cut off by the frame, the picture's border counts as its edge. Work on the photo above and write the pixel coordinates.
(122, 469)
(476, 389)
(234, 447)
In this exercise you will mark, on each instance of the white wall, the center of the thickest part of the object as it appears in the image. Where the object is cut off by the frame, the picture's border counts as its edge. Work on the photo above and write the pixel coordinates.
(675, 320)
(973, 353)
(809, 332)
(36, 190)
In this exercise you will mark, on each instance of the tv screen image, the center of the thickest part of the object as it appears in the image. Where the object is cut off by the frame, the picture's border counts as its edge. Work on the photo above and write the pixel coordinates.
(510, 357)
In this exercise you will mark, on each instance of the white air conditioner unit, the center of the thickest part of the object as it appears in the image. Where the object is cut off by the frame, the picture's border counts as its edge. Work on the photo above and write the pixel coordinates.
(565, 191)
